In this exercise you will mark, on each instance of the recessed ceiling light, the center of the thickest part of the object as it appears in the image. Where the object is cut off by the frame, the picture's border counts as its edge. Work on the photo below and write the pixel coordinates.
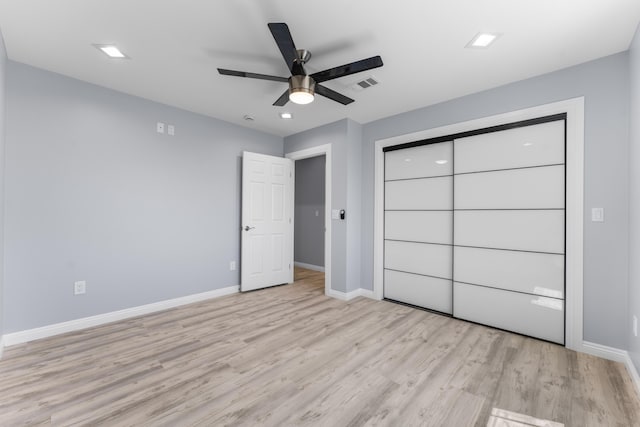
(286, 116)
(442, 162)
(483, 40)
(111, 51)
(248, 118)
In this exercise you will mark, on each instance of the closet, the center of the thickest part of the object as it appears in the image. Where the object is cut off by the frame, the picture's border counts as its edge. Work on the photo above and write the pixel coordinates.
(475, 226)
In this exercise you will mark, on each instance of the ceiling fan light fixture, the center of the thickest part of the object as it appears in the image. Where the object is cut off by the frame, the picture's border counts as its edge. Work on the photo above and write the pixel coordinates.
(301, 89)
(301, 97)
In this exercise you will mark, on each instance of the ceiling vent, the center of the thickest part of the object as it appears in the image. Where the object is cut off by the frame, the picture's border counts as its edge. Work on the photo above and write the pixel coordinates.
(365, 84)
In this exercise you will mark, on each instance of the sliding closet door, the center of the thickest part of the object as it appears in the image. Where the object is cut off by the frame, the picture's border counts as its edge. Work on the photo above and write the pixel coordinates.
(418, 226)
(509, 237)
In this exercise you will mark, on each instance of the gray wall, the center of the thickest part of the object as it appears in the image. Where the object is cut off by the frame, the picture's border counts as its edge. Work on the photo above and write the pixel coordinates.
(309, 201)
(354, 205)
(605, 85)
(3, 78)
(634, 197)
(94, 193)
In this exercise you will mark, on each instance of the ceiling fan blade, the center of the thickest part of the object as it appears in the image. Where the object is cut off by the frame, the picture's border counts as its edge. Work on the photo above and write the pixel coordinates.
(284, 98)
(252, 75)
(333, 95)
(345, 70)
(282, 36)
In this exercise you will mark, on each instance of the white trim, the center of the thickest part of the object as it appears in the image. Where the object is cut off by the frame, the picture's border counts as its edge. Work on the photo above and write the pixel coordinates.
(633, 372)
(114, 316)
(348, 296)
(574, 207)
(315, 152)
(1, 346)
(367, 293)
(308, 266)
(603, 351)
(616, 355)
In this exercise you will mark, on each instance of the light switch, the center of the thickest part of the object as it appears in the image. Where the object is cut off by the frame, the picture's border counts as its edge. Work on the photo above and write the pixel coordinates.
(160, 127)
(597, 214)
(171, 130)
(335, 214)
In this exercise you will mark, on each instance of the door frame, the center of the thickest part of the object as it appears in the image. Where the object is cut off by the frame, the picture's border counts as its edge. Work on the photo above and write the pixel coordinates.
(306, 154)
(574, 108)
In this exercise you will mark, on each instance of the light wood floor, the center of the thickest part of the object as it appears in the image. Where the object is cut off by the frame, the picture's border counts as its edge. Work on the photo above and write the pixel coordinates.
(289, 356)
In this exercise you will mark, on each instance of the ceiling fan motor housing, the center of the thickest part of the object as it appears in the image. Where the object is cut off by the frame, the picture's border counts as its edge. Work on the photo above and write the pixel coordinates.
(302, 84)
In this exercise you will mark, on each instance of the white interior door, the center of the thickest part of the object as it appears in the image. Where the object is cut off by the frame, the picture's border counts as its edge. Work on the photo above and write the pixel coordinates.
(267, 221)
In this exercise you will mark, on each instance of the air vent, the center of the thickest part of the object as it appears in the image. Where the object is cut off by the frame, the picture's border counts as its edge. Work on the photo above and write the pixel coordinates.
(365, 84)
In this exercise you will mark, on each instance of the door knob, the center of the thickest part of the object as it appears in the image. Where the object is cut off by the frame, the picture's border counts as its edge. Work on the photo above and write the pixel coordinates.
(247, 228)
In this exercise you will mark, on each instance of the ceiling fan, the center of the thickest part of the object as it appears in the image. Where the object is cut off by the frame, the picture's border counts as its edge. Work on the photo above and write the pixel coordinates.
(303, 86)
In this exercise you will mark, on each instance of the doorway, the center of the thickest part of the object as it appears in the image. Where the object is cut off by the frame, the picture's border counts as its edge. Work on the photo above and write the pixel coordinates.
(308, 244)
(312, 212)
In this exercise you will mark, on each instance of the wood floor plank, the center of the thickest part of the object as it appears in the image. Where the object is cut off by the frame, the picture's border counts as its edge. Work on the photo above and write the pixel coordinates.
(289, 355)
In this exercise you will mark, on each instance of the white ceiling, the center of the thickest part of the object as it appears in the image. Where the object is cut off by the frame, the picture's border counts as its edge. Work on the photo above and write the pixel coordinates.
(176, 45)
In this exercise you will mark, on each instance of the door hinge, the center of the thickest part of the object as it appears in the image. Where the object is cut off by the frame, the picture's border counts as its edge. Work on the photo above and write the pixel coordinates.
(289, 220)
(289, 266)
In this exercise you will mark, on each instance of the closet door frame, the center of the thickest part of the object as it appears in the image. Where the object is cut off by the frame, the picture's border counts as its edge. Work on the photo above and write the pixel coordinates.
(574, 110)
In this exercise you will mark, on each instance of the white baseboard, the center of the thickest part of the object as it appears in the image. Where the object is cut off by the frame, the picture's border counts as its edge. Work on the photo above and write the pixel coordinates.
(633, 372)
(616, 355)
(101, 319)
(309, 266)
(1, 346)
(337, 295)
(347, 296)
(367, 293)
(603, 351)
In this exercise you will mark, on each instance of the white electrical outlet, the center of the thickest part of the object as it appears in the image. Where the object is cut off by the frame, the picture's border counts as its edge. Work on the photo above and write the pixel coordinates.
(232, 266)
(80, 287)
(160, 127)
(635, 325)
(171, 130)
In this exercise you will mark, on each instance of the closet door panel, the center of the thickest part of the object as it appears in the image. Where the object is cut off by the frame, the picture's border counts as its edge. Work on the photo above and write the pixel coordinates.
(419, 162)
(423, 291)
(534, 273)
(529, 230)
(419, 258)
(531, 188)
(419, 194)
(419, 226)
(536, 145)
(532, 315)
